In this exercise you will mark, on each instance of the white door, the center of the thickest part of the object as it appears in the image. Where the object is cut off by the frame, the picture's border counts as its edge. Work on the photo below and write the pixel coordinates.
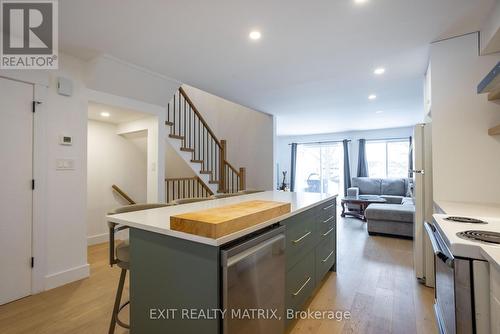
(16, 161)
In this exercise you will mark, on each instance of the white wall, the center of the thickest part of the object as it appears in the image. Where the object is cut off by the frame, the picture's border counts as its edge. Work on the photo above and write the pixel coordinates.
(112, 159)
(249, 135)
(466, 160)
(283, 149)
(155, 174)
(490, 32)
(113, 76)
(175, 166)
(60, 209)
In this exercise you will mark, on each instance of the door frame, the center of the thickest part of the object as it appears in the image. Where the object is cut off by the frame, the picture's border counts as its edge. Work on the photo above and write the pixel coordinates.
(39, 170)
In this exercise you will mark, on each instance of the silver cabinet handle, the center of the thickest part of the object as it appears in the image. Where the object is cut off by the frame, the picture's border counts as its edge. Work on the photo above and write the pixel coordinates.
(327, 257)
(328, 232)
(301, 238)
(328, 207)
(326, 221)
(302, 287)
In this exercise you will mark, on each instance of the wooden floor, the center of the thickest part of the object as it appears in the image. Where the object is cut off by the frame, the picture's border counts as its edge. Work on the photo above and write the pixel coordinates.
(374, 281)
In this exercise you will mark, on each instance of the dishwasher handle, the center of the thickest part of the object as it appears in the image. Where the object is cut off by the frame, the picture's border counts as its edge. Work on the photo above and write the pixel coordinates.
(252, 250)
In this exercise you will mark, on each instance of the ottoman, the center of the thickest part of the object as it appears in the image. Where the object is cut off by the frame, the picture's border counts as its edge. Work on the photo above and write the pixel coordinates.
(391, 219)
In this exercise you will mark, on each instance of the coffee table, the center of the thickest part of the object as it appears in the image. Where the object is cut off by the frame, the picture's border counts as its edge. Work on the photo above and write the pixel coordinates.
(363, 201)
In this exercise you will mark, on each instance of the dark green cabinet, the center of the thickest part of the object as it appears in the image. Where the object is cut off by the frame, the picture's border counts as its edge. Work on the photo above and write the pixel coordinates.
(310, 252)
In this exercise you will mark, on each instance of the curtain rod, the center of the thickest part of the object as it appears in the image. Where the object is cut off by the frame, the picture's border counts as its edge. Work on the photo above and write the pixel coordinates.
(320, 142)
(394, 138)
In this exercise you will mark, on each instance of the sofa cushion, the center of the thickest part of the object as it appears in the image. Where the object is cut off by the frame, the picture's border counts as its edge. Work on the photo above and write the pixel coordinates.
(407, 201)
(395, 187)
(367, 185)
(393, 199)
(390, 212)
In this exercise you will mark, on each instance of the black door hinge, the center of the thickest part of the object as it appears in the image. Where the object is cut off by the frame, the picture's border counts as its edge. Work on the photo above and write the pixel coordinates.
(34, 104)
(32, 262)
(32, 184)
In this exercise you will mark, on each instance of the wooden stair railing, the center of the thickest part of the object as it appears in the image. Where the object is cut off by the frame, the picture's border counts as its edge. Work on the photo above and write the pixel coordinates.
(187, 124)
(123, 194)
(185, 187)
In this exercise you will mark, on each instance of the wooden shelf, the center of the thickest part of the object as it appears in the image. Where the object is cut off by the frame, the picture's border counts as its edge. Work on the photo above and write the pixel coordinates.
(494, 95)
(491, 81)
(494, 131)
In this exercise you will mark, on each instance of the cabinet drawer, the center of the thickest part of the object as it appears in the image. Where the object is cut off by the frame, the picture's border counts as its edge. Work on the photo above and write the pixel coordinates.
(325, 210)
(300, 283)
(323, 225)
(300, 238)
(325, 256)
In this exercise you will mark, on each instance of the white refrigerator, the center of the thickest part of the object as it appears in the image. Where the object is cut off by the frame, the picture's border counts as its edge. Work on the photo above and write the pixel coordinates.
(422, 194)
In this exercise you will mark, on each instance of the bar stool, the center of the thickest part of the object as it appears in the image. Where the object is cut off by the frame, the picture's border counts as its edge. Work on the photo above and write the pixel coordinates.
(225, 195)
(121, 257)
(190, 200)
(249, 191)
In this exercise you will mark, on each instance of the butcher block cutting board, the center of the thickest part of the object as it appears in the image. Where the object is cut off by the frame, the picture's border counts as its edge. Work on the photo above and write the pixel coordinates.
(218, 222)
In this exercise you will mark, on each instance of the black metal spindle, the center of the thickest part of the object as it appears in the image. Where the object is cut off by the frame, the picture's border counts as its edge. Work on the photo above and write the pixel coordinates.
(174, 114)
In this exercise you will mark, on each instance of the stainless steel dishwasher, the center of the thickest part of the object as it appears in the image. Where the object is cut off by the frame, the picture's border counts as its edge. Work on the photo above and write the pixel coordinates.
(253, 276)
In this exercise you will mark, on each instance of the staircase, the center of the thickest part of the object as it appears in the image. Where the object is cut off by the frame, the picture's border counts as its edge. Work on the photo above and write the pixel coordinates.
(196, 143)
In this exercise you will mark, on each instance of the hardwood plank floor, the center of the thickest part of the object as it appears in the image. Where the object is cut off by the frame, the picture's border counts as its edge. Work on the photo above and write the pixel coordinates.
(374, 281)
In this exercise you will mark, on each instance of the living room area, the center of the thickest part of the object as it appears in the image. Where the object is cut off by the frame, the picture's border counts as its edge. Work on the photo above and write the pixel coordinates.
(369, 170)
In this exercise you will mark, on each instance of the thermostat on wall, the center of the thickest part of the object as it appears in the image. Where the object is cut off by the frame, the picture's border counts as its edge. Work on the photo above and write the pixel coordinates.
(66, 140)
(64, 86)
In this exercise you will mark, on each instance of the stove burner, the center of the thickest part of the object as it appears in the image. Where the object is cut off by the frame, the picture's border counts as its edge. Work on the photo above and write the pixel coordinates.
(458, 219)
(483, 236)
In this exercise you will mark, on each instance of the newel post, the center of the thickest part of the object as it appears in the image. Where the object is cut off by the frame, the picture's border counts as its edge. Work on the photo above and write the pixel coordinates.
(243, 176)
(222, 166)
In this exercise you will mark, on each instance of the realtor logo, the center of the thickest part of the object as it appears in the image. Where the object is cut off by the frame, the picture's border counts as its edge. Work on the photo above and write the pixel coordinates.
(29, 38)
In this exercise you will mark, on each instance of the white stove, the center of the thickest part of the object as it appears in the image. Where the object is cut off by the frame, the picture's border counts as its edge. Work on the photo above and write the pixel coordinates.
(449, 230)
(462, 274)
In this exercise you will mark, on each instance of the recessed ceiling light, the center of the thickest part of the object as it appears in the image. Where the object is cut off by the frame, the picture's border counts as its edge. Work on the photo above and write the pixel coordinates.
(105, 114)
(379, 71)
(372, 97)
(255, 35)
(360, 2)
(379, 111)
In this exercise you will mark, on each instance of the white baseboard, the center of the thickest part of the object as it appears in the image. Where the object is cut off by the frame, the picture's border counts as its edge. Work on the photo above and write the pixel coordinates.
(97, 239)
(102, 238)
(67, 276)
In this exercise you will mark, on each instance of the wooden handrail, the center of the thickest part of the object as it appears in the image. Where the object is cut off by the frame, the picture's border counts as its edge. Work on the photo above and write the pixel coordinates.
(123, 194)
(195, 110)
(188, 125)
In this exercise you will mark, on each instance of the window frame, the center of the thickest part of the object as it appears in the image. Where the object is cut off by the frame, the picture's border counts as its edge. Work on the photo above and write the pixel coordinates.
(386, 144)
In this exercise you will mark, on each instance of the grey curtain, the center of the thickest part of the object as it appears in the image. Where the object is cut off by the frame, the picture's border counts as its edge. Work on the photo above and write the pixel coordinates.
(410, 158)
(362, 163)
(347, 167)
(293, 166)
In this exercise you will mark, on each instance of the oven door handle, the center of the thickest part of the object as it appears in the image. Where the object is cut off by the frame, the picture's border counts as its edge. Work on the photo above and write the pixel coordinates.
(435, 245)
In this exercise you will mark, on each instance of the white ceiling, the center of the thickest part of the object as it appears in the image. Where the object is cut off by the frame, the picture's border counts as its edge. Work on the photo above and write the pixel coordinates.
(313, 67)
(116, 115)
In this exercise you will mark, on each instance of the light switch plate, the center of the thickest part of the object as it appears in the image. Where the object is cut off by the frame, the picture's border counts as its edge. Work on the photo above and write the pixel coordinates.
(65, 164)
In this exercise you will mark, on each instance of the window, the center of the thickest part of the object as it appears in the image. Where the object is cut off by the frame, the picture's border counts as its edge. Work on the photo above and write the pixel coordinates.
(320, 168)
(387, 159)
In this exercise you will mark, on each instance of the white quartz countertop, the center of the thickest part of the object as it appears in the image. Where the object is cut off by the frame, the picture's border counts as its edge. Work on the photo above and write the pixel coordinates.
(469, 209)
(158, 220)
(489, 212)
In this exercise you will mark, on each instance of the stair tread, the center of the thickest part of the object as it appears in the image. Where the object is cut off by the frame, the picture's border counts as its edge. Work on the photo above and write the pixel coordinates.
(205, 172)
(169, 123)
(176, 136)
(187, 149)
(198, 161)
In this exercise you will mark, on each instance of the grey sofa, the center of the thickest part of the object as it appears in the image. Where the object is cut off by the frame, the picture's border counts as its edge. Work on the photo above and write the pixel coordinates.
(396, 216)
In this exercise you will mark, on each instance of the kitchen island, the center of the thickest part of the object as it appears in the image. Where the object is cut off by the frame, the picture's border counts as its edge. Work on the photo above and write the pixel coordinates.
(176, 280)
